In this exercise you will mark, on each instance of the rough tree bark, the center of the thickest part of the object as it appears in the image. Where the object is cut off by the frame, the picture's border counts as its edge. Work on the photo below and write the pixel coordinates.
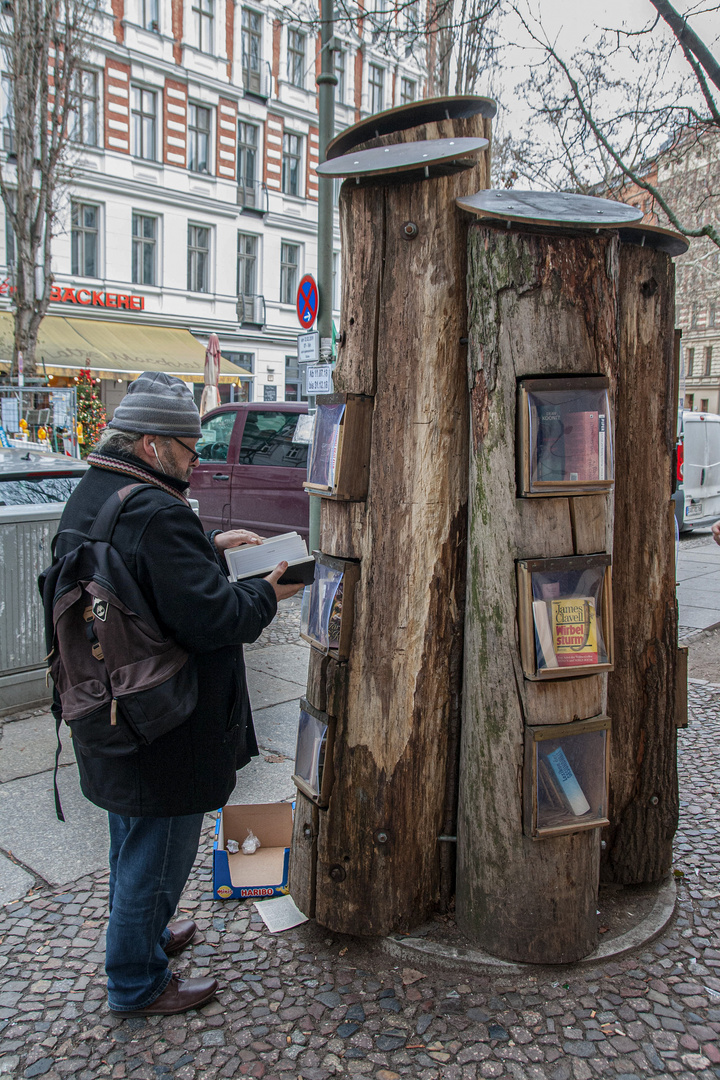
(403, 319)
(643, 777)
(539, 304)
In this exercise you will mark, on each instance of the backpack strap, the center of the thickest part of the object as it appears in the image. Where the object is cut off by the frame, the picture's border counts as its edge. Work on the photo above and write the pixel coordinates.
(104, 524)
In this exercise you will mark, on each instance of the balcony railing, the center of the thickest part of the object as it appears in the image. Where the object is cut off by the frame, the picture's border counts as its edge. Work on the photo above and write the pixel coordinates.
(253, 195)
(257, 84)
(251, 310)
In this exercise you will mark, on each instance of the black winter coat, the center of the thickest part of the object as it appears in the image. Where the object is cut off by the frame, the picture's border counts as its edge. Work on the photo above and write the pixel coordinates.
(184, 579)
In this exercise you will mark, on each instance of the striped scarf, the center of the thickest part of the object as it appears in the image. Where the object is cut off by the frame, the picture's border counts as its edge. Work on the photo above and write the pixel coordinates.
(128, 468)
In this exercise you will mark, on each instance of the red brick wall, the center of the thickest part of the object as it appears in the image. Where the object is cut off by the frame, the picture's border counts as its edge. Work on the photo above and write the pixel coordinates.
(117, 106)
(177, 29)
(118, 10)
(274, 129)
(226, 153)
(230, 34)
(277, 34)
(175, 124)
(311, 180)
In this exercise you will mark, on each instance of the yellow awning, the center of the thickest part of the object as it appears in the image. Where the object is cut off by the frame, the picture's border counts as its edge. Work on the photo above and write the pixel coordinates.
(115, 350)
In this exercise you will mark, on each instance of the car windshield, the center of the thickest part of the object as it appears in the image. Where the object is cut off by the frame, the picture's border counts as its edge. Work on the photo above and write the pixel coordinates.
(44, 489)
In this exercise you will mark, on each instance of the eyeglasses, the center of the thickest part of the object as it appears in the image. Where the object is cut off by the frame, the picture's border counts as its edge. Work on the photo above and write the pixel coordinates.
(193, 456)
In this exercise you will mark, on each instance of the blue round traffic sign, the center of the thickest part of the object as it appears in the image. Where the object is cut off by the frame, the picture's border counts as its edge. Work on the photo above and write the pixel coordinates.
(307, 301)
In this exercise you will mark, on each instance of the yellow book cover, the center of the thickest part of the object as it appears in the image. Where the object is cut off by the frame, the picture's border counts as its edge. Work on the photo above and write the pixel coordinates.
(574, 631)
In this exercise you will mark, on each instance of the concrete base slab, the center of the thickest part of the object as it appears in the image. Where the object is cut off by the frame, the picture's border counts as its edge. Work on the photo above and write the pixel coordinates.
(467, 958)
(264, 782)
(59, 852)
(28, 746)
(289, 662)
(266, 690)
(14, 881)
(23, 690)
(276, 727)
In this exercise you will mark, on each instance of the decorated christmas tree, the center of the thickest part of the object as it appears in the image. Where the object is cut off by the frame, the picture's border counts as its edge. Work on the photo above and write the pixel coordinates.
(90, 412)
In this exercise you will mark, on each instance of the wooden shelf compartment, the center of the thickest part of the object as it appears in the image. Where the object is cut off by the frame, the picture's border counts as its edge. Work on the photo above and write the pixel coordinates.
(329, 607)
(339, 461)
(565, 779)
(564, 436)
(565, 618)
(314, 750)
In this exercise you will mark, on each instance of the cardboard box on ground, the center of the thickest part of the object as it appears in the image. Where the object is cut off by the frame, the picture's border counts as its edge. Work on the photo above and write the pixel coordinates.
(264, 873)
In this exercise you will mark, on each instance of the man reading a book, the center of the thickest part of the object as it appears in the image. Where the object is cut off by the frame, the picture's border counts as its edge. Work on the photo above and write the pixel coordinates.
(156, 796)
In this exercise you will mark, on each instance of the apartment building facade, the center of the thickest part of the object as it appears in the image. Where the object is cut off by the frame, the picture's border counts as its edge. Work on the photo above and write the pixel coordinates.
(687, 172)
(193, 198)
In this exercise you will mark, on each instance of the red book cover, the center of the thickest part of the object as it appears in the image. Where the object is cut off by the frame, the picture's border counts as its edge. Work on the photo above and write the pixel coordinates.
(580, 442)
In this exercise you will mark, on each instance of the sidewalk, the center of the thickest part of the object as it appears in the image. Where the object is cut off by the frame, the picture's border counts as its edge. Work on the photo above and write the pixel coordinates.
(312, 1004)
(698, 588)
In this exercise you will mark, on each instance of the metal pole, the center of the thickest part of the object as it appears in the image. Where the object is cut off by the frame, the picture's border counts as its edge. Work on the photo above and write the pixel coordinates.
(326, 81)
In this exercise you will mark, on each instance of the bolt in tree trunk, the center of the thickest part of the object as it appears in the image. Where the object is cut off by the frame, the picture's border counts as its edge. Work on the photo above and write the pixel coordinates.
(42, 44)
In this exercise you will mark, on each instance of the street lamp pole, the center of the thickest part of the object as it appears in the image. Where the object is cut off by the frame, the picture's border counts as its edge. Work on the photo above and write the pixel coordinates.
(326, 81)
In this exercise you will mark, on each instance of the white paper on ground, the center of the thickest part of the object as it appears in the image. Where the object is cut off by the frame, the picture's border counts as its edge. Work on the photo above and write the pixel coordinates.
(280, 913)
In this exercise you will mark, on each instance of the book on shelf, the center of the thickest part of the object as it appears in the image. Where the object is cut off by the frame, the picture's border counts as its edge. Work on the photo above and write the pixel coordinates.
(602, 445)
(326, 446)
(581, 438)
(564, 782)
(574, 631)
(258, 560)
(310, 751)
(546, 422)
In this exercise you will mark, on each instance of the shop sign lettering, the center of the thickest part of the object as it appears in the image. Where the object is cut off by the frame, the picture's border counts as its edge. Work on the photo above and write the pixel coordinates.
(68, 294)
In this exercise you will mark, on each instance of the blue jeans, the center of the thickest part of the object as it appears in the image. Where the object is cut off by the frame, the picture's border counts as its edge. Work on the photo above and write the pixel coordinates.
(150, 860)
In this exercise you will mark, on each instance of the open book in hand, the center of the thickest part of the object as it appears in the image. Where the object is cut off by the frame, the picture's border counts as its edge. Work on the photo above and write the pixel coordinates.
(258, 560)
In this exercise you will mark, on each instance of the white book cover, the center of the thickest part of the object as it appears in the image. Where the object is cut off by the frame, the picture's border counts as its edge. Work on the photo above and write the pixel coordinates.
(568, 782)
(251, 560)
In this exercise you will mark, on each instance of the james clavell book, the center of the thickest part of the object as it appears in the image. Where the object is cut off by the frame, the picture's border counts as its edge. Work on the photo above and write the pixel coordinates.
(574, 630)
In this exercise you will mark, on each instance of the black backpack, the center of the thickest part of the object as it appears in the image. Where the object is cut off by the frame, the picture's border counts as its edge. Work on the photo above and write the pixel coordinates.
(119, 682)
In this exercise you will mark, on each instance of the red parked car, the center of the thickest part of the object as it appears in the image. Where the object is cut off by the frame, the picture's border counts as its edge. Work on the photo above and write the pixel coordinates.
(253, 461)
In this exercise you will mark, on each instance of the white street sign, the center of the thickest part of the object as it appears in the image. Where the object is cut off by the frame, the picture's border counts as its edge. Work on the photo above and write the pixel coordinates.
(308, 347)
(319, 380)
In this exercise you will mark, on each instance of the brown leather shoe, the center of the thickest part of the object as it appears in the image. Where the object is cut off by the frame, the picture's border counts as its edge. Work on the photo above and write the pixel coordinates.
(182, 934)
(178, 996)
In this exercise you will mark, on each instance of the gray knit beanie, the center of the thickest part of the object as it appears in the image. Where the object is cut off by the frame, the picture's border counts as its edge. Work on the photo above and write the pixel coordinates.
(158, 404)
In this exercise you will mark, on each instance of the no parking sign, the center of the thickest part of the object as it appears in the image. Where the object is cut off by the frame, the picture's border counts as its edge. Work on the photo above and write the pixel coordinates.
(307, 301)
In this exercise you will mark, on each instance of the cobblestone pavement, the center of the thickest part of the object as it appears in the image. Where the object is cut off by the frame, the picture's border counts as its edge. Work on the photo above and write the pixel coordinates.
(313, 1005)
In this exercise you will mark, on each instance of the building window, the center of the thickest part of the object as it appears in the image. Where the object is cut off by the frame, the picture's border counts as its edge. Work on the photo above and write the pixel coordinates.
(251, 49)
(245, 360)
(203, 14)
(144, 123)
(412, 27)
(408, 91)
(694, 316)
(198, 138)
(198, 258)
(708, 359)
(704, 404)
(296, 58)
(712, 314)
(293, 380)
(149, 18)
(144, 247)
(291, 164)
(84, 123)
(84, 237)
(8, 115)
(376, 84)
(247, 162)
(340, 58)
(690, 362)
(289, 264)
(689, 401)
(247, 264)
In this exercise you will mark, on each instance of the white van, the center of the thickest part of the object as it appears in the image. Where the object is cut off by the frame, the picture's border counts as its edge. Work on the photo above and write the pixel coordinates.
(697, 500)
